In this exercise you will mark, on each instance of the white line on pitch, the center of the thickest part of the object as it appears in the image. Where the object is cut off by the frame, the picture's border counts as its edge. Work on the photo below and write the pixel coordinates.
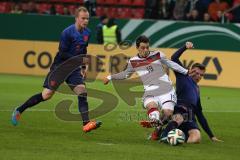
(106, 144)
(48, 110)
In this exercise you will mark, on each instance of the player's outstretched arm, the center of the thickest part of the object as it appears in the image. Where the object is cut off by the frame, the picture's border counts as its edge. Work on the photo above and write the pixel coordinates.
(173, 65)
(106, 80)
(121, 75)
(175, 57)
(204, 124)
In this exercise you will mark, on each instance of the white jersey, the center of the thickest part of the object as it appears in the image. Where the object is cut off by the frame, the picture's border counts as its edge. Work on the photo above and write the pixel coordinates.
(156, 82)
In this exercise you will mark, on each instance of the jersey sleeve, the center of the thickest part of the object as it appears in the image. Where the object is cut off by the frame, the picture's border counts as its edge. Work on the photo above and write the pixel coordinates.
(173, 65)
(175, 57)
(65, 42)
(124, 74)
(202, 120)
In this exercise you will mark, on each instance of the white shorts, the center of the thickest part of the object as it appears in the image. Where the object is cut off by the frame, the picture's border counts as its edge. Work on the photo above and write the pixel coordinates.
(162, 100)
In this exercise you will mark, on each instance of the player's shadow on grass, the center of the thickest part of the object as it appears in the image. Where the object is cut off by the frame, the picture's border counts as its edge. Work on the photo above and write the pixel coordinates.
(109, 103)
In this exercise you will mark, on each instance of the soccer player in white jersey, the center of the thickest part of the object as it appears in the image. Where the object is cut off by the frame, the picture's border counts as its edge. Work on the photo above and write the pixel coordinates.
(159, 93)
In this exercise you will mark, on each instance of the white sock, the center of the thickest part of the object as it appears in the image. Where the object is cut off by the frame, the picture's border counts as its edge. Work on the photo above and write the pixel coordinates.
(154, 115)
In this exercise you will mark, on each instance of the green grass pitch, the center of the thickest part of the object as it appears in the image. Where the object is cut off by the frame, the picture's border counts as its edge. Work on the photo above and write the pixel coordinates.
(41, 135)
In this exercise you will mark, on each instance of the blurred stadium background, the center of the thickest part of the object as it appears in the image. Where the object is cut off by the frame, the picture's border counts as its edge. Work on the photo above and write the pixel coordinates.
(29, 34)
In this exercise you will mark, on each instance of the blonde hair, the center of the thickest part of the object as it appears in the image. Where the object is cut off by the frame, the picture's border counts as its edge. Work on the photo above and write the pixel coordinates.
(80, 9)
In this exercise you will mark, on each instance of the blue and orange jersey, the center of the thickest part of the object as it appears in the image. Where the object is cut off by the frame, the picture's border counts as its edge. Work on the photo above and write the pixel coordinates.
(72, 43)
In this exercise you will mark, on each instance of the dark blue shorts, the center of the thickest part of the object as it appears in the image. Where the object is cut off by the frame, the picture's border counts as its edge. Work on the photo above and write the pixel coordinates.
(189, 122)
(53, 81)
(187, 126)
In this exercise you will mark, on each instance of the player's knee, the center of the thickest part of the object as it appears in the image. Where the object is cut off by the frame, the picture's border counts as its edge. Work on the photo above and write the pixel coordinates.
(167, 112)
(168, 108)
(82, 97)
(151, 105)
(152, 111)
(178, 118)
(80, 89)
(194, 139)
(47, 94)
(198, 139)
(194, 136)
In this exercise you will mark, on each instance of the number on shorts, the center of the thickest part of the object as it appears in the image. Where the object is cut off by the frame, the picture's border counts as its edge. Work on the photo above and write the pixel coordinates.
(173, 98)
(149, 69)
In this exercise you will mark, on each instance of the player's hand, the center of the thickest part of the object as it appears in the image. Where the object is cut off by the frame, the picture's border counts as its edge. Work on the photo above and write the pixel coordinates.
(191, 72)
(189, 45)
(105, 81)
(215, 139)
(84, 73)
(85, 61)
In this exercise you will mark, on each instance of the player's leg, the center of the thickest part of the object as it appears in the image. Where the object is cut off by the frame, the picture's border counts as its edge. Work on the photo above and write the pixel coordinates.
(176, 121)
(46, 94)
(88, 125)
(168, 102)
(194, 136)
(167, 108)
(32, 101)
(190, 127)
(191, 130)
(153, 112)
(151, 104)
(81, 91)
(76, 83)
(35, 99)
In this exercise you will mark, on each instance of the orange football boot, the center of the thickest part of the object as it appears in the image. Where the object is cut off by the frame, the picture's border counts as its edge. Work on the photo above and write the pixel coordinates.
(91, 126)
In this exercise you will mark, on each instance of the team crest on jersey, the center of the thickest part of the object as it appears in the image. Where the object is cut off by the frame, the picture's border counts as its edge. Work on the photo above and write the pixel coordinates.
(85, 38)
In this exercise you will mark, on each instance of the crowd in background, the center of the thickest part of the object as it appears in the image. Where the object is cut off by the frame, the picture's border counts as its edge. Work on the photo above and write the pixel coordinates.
(189, 10)
(194, 10)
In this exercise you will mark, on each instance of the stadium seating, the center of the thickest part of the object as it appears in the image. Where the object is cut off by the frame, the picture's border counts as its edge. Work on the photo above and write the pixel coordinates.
(138, 13)
(125, 2)
(72, 9)
(111, 12)
(5, 7)
(138, 3)
(59, 8)
(67, 1)
(24, 6)
(124, 13)
(43, 7)
(111, 2)
(100, 11)
(101, 2)
(111, 8)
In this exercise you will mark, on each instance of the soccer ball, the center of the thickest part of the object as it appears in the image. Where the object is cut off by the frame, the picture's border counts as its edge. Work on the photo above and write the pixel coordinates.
(175, 137)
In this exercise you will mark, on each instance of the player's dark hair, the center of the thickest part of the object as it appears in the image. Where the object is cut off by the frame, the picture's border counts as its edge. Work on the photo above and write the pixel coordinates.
(141, 39)
(199, 65)
(79, 10)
